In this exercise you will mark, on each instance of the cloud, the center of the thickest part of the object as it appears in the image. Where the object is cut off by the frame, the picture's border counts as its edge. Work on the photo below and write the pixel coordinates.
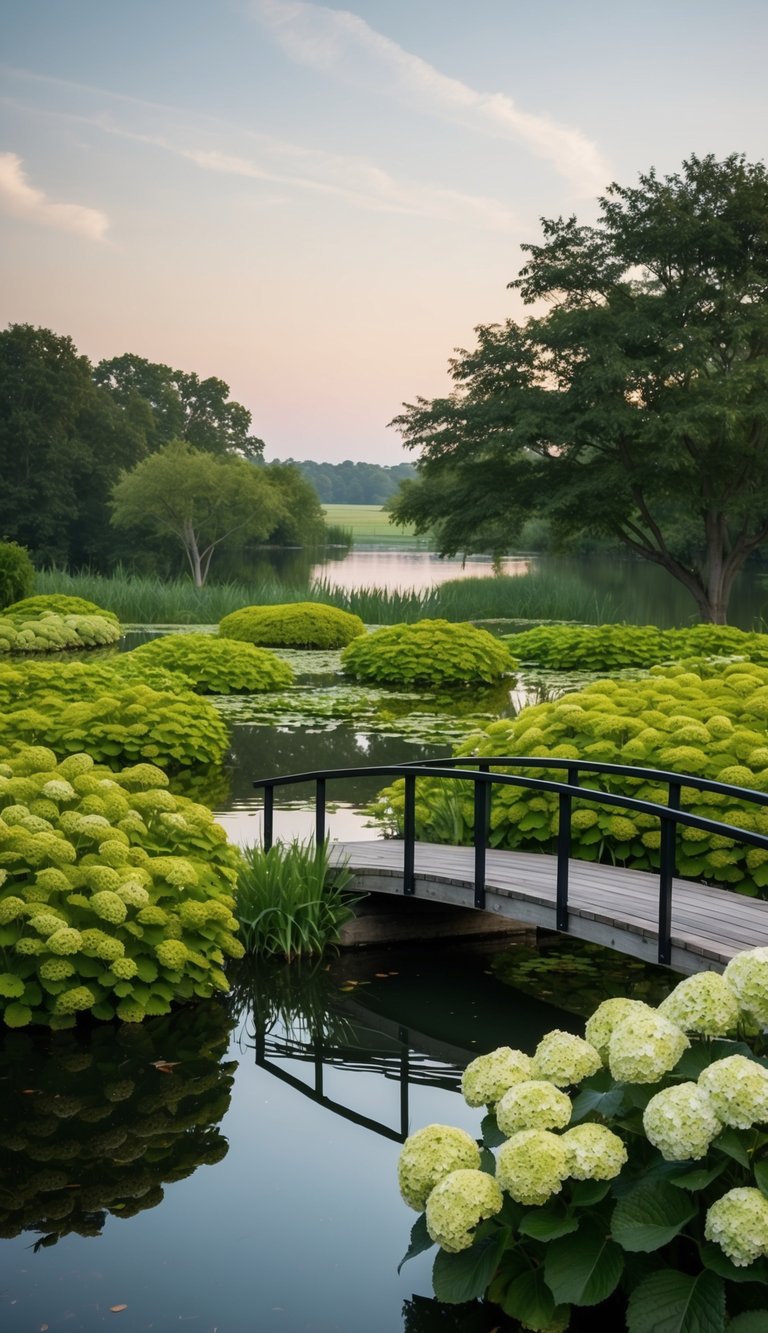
(22, 200)
(336, 41)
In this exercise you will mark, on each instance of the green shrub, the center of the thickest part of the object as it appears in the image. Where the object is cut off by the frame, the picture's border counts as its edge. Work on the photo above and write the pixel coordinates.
(106, 1117)
(116, 897)
(59, 604)
(614, 647)
(71, 706)
(292, 625)
(217, 666)
(710, 723)
(17, 573)
(52, 633)
(431, 652)
(290, 900)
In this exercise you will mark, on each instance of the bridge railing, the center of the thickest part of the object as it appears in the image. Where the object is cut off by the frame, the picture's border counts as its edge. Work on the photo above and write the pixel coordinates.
(480, 771)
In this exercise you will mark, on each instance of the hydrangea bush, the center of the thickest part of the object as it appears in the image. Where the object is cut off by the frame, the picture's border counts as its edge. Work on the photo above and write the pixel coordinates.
(616, 647)
(626, 1170)
(292, 625)
(712, 723)
(214, 665)
(116, 898)
(53, 633)
(428, 652)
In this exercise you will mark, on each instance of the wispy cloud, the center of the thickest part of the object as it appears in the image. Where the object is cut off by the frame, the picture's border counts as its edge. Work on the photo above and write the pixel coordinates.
(341, 43)
(22, 200)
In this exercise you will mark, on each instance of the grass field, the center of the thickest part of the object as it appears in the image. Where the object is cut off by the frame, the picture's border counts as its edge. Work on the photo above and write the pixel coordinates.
(368, 523)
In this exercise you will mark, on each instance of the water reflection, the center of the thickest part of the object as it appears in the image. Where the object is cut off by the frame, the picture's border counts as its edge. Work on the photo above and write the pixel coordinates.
(405, 570)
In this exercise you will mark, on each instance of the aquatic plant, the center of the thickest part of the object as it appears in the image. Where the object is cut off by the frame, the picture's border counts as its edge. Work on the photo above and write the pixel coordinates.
(116, 898)
(431, 652)
(92, 1126)
(710, 723)
(98, 708)
(645, 1199)
(292, 625)
(17, 573)
(616, 647)
(48, 632)
(58, 604)
(214, 665)
(291, 899)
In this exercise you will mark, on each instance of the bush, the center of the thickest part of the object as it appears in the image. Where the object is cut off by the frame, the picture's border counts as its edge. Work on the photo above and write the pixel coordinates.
(625, 1176)
(292, 625)
(52, 633)
(430, 652)
(73, 706)
(60, 604)
(613, 647)
(17, 573)
(104, 1115)
(290, 900)
(709, 725)
(216, 666)
(116, 897)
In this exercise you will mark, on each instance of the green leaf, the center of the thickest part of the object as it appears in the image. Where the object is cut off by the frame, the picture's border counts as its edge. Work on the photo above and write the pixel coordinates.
(701, 1054)
(492, 1135)
(731, 1142)
(466, 1276)
(761, 1175)
(650, 1216)
(712, 1257)
(672, 1302)
(419, 1242)
(529, 1299)
(698, 1178)
(752, 1321)
(583, 1269)
(585, 1193)
(487, 1162)
(591, 1101)
(547, 1223)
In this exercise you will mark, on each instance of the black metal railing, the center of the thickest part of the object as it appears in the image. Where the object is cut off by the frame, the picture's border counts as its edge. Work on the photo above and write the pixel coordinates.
(478, 770)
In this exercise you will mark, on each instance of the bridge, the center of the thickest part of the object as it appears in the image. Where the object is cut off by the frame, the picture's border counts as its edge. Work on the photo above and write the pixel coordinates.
(659, 917)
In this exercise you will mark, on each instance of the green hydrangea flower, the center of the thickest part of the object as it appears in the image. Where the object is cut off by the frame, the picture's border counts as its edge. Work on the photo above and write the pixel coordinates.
(747, 975)
(65, 941)
(602, 1022)
(703, 1003)
(72, 1001)
(430, 1155)
(738, 1223)
(487, 1077)
(681, 1122)
(458, 1204)
(564, 1059)
(101, 945)
(738, 1090)
(593, 1152)
(172, 954)
(533, 1104)
(109, 907)
(645, 1047)
(532, 1166)
(57, 969)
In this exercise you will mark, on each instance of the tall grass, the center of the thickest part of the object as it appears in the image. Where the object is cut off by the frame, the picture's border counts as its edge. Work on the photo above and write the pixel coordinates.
(143, 599)
(290, 901)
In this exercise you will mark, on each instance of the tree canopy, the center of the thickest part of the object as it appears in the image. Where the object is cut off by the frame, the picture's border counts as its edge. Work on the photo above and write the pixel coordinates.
(639, 397)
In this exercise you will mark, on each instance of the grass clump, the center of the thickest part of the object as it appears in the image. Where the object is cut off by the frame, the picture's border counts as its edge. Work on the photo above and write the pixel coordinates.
(615, 647)
(292, 625)
(214, 665)
(116, 898)
(431, 652)
(290, 900)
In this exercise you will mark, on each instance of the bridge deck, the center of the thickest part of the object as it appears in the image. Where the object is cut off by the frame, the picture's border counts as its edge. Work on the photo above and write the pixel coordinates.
(612, 906)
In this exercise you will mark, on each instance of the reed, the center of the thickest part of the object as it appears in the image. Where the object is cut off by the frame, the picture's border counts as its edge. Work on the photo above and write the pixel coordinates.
(290, 900)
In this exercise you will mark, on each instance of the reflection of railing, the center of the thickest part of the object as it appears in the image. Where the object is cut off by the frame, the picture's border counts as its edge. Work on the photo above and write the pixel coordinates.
(670, 815)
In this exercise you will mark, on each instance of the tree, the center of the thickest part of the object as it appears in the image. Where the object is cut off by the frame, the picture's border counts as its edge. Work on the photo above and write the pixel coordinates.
(638, 399)
(175, 405)
(303, 521)
(200, 499)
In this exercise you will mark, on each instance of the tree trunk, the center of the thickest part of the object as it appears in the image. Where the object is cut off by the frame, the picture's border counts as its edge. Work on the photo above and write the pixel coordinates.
(192, 552)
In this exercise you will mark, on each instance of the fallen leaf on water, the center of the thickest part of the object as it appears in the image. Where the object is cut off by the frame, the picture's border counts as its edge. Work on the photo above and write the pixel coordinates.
(393, 974)
(165, 1066)
(29, 1092)
(117, 1308)
(382, 974)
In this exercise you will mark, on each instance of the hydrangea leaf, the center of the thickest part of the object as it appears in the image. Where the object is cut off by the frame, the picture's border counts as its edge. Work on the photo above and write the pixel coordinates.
(465, 1276)
(547, 1223)
(529, 1299)
(492, 1135)
(761, 1175)
(713, 1258)
(672, 1302)
(420, 1240)
(650, 1216)
(751, 1321)
(698, 1178)
(583, 1269)
(732, 1143)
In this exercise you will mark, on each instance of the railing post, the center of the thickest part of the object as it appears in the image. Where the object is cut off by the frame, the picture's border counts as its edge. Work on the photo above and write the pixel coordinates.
(319, 814)
(269, 809)
(403, 1038)
(666, 873)
(409, 834)
(564, 850)
(480, 836)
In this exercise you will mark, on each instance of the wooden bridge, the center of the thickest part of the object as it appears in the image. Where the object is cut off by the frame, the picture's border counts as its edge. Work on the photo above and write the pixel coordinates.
(659, 917)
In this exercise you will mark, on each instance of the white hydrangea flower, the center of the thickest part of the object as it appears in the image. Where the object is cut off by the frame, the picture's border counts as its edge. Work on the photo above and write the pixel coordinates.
(593, 1152)
(738, 1090)
(430, 1155)
(600, 1026)
(563, 1059)
(644, 1047)
(738, 1223)
(532, 1166)
(534, 1104)
(747, 975)
(487, 1078)
(457, 1206)
(704, 1004)
(681, 1122)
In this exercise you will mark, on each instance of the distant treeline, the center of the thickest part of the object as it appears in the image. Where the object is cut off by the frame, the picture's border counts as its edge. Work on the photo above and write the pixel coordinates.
(353, 483)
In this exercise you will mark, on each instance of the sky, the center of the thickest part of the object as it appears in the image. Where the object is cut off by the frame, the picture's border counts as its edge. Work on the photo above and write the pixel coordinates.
(318, 205)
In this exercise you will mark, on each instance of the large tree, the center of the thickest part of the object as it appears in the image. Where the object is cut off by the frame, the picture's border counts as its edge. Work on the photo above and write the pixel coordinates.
(637, 398)
(199, 499)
